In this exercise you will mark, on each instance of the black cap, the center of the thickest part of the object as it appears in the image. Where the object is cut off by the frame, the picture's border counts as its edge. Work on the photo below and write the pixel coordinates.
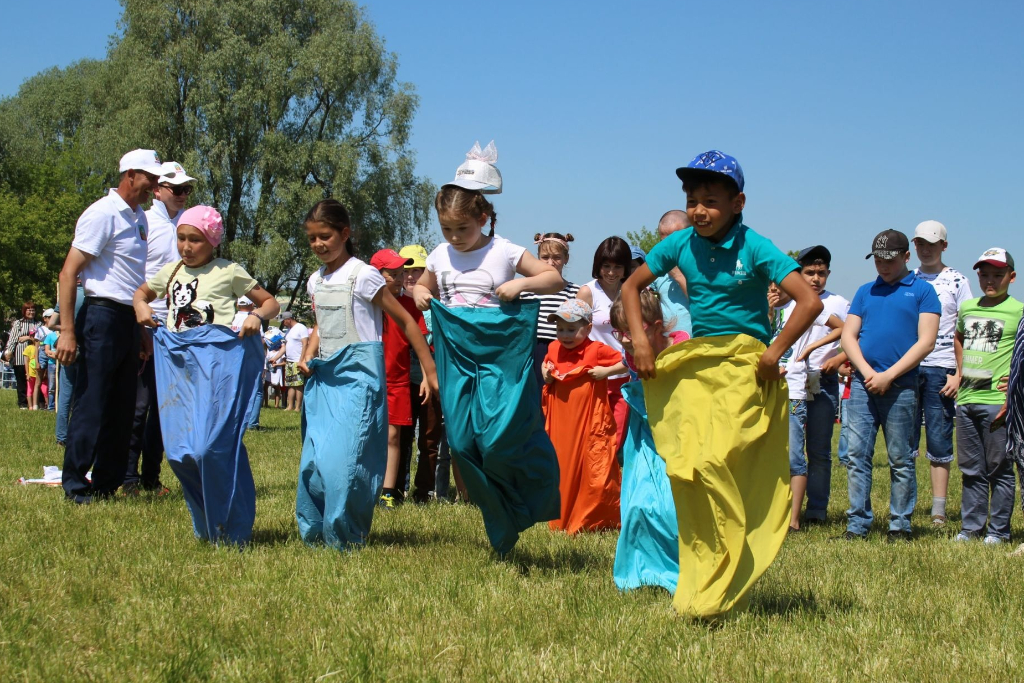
(813, 254)
(889, 244)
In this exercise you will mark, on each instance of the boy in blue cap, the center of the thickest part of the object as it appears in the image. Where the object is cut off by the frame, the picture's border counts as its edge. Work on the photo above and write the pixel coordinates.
(718, 411)
(891, 328)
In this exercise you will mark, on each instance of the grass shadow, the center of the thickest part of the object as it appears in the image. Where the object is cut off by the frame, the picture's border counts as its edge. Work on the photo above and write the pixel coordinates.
(406, 537)
(800, 605)
(571, 559)
(273, 537)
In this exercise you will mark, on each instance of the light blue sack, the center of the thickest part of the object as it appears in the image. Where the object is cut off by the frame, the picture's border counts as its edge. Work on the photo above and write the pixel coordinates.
(647, 553)
(206, 378)
(344, 445)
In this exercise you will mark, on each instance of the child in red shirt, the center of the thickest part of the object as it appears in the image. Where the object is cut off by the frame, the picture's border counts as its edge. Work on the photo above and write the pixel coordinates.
(397, 364)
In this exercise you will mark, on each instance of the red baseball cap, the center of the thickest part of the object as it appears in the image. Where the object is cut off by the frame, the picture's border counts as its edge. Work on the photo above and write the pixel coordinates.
(390, 259)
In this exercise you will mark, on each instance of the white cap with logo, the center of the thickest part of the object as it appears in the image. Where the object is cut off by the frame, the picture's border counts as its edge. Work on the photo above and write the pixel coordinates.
(930, 231)
(142, 160)
(478, 171)
(174, 174)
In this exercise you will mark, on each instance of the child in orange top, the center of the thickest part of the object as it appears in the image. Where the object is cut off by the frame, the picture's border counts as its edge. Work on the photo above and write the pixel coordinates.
(578, 418)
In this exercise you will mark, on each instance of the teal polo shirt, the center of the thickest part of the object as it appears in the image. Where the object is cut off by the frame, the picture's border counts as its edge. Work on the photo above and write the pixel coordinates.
(727, 281)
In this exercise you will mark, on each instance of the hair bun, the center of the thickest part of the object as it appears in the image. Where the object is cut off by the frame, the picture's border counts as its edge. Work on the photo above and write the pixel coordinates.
(568, 237)
(536, 238)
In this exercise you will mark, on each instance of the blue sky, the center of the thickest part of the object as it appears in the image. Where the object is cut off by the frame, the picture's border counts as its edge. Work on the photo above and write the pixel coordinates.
(848, 118)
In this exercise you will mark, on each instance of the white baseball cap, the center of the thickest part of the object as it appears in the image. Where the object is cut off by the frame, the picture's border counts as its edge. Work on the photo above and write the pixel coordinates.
(48, 312)
(174, 174)
(142, 160)
(930, 231)
(478, 171)
(243, 301)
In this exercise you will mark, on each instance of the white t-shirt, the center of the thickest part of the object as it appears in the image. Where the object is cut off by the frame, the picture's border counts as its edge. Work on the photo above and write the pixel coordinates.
(470, 278)
(161, 247)
(115, 236)
(796, 373)
(293, 342)
(953, 290)
(369, 318)
(239, 320)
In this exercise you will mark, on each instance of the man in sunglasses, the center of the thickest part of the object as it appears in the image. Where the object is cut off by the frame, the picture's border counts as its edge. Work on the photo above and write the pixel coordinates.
(169, 201)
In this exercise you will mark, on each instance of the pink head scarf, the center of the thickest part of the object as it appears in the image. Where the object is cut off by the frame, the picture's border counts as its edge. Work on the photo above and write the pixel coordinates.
(206, 220)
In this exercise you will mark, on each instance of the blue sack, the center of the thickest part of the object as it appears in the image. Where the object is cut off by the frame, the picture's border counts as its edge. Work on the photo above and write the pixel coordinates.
(344, 445)
(490, 398)
(206, 378)
(647, 553)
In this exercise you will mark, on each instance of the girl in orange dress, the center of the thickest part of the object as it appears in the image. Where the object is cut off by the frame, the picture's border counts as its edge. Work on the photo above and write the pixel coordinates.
(578, 418)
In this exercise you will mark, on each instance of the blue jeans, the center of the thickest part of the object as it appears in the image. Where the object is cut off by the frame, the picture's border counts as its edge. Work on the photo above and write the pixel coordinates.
(67, 399)
(254, 411)
(939, 414)
(810, 424)
(51, 381)
(844, 432)
(894, 412)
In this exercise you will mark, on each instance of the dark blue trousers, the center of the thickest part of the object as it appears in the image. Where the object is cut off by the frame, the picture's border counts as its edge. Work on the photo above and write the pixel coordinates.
(147, 440)
(101, 424)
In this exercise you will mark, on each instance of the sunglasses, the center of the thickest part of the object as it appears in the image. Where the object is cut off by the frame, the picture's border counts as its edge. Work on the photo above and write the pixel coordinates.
(179, 190)
(621, 335)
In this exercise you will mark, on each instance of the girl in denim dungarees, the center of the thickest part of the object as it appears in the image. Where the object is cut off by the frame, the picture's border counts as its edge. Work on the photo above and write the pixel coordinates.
(344, 418)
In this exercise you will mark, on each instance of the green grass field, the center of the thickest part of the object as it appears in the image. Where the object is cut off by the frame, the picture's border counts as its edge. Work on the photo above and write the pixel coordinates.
(122, 591)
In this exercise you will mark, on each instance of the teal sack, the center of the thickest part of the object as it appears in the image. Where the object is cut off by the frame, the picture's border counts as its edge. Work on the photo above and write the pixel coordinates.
(647, 553)
(344, 446)
(490, 398)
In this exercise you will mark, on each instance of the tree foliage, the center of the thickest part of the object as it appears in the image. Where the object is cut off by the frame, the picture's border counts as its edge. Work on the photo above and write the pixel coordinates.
(271, 104)
(643, 238)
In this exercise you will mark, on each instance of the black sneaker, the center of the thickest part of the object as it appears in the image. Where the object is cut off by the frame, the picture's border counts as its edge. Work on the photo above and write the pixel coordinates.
(895, 536)
(848, 536)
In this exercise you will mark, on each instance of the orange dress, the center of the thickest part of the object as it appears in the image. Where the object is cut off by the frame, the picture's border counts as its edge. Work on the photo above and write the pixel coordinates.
(578, 419)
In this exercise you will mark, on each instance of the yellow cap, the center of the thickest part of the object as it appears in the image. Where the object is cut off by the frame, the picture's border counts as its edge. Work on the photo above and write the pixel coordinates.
(417, 253)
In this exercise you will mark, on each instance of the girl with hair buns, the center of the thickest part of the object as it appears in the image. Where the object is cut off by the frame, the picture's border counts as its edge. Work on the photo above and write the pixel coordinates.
(552, 249)
(484, 337)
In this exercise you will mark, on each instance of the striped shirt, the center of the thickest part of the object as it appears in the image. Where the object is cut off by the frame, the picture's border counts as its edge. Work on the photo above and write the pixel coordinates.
(20, 328)
(549, 303)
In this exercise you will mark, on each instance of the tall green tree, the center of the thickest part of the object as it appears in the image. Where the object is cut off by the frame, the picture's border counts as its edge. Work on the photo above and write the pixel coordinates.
(643, 238)
(275, 104)
(272, 104)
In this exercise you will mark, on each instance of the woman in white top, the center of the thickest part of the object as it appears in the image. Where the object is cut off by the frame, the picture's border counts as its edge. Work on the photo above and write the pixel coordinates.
(613, 262)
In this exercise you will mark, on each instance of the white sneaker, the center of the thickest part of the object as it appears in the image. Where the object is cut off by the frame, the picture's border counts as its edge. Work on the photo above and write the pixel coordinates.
(962, 537)
(993, 540)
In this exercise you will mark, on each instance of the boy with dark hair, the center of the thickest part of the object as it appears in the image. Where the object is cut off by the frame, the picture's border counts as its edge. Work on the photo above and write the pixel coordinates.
(812, 374)
(891, 327)
(716, 408)
(986, 329)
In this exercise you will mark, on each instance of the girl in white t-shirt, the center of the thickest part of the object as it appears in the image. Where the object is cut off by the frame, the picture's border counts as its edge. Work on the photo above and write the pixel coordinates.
(613, 262)
(345, 426)
(484, 346)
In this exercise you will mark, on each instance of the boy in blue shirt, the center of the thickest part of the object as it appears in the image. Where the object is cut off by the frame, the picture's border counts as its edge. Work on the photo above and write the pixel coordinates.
(892, 325)
(718, 413)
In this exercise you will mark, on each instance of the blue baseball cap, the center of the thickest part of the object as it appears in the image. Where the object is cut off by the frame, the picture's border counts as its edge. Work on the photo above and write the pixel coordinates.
(715, 162)
(637, 253)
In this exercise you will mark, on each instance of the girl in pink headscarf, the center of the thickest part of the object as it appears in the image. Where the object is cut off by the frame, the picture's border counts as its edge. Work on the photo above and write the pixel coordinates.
(201, 289)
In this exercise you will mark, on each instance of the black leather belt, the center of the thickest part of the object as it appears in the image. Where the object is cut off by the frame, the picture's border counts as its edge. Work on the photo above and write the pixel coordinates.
(108, 303)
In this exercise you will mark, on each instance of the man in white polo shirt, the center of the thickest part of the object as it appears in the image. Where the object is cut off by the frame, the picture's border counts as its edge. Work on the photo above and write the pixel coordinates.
(295, 340)
(109, 253)
(169, 200)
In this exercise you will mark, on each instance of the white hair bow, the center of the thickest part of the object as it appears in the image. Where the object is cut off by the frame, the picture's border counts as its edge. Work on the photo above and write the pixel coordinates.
(488, 154)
